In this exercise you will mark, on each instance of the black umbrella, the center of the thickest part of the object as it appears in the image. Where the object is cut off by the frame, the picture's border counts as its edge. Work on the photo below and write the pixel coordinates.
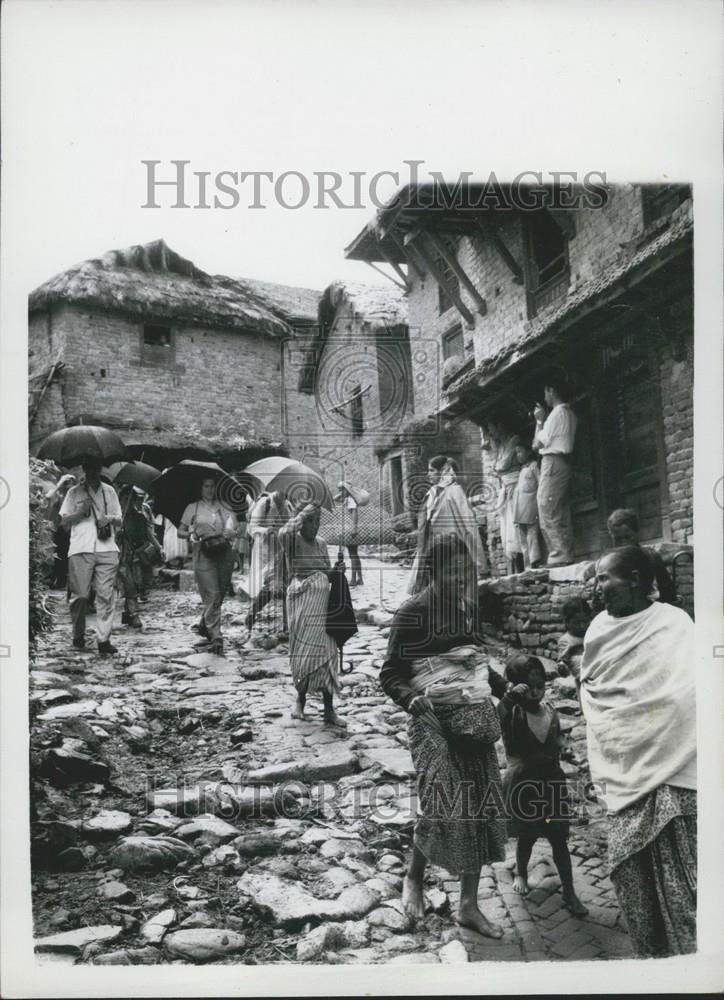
(180, 485)
(133, 474)
(73, 445)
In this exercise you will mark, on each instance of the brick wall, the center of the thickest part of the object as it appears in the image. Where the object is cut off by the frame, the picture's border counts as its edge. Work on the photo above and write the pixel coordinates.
(323, 437)
(44, 342)
(220, 379)
(676, 373)
(598, 241)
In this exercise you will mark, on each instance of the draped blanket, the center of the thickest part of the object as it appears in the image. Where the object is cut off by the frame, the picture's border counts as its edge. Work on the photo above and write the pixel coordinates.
(313, 653)
(457, 677)
(451, 515)
(638, 697)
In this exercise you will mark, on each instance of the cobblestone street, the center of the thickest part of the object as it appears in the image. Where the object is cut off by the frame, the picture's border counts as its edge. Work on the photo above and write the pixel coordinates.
(181, 815)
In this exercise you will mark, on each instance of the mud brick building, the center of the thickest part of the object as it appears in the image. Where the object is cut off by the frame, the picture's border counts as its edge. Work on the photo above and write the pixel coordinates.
(143, 341)
(603, 292)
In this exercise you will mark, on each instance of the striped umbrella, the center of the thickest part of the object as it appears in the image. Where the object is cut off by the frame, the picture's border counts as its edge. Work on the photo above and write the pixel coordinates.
(299, 483)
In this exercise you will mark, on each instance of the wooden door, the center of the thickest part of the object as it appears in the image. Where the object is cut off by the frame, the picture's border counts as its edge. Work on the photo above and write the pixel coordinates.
(635, 463)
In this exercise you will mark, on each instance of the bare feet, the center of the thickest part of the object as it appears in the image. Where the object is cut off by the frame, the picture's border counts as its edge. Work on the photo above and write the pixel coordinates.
(332, 719)
(413, 901)
(520, 885)
(473, 919)
(573, 903)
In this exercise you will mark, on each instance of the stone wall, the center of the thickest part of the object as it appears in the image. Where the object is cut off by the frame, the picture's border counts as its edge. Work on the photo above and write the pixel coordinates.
(525, 609)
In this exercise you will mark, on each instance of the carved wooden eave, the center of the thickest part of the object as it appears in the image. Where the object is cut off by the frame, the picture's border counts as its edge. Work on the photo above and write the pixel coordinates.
(415, 242)
(489, 233)
(450, 258)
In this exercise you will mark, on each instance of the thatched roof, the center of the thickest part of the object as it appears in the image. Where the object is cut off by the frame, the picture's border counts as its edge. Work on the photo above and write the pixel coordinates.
(296, 306)
(374, 305)
(155, 282)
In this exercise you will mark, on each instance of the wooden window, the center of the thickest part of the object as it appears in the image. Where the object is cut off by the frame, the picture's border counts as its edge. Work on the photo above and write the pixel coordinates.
(157, 345)
(453, 345)
(660, 200)
(546, 260)
(444, 302)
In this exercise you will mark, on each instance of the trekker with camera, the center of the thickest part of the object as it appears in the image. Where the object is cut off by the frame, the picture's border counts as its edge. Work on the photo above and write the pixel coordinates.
(92, 512)
(212, 530)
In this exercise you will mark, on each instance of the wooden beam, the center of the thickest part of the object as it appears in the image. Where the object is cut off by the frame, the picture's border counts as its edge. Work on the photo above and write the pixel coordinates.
(412, 263)
(54, 368)
(386, 275)
(489, 234)
(355, 395)
(451, 259)
(439, 277)
(398, 270)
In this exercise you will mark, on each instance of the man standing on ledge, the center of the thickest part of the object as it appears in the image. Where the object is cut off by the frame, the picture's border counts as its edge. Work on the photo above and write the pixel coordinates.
(93, 513)
(554, 438)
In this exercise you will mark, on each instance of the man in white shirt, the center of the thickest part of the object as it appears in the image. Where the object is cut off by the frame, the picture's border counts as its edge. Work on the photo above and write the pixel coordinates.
(92, 512)
(554, 438)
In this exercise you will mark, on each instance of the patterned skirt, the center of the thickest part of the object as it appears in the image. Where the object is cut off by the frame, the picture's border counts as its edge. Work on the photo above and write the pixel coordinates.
(462, 826)
(652, 856)
(313, 654)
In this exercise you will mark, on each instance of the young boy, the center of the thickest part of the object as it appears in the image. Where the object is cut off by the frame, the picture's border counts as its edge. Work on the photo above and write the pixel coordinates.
(525, 507)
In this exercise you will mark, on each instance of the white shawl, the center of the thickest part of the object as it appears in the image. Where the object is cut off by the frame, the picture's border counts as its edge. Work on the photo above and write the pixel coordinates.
(638, 690)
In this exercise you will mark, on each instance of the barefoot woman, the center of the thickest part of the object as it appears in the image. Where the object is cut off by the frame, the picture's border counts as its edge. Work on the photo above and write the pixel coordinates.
(452, 731)
(312, 652)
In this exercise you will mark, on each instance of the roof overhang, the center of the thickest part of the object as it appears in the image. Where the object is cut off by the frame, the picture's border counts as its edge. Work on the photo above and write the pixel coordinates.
(656, 277)
(455, 209)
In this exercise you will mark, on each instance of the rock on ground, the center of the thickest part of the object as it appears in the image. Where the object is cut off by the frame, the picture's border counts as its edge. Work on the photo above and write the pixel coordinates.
(453, 953)
(288, 904)
(155, 853)
(157, 925)
(203, 944)
(208, 829)
(75, 941)
(107, 824)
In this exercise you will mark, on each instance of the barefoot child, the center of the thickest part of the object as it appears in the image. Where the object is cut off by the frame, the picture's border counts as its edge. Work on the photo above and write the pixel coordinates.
(576, 617)
(534, 786)
(525, 507)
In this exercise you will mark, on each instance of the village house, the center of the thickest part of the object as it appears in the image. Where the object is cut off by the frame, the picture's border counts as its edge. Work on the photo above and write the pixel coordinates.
(183, 364)
(349, 395)
(604, 294)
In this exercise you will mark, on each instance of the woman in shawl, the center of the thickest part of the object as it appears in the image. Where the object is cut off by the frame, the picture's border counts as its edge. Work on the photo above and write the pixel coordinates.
(267, 572)
(444, 511)
(313, 653)
(436, 674)
(638, 698)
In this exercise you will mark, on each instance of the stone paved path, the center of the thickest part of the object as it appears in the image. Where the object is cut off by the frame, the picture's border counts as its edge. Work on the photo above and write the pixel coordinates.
(193, 733)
